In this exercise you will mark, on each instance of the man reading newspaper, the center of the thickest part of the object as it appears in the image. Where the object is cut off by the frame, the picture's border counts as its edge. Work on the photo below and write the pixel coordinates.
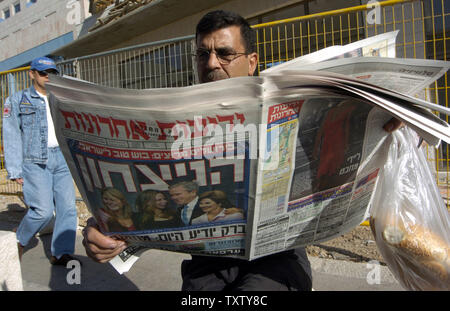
(225, 49)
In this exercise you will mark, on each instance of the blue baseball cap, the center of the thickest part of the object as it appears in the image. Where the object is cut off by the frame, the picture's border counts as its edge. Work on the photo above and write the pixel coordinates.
(43, 63)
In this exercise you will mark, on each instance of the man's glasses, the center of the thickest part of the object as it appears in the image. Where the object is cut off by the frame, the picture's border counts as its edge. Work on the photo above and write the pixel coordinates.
(224, 56)
(47, 72)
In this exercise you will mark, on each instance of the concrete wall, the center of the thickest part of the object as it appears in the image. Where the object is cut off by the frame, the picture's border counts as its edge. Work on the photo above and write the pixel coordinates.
(10, 271)
(38, 23)
(246, 8)
(49, 19)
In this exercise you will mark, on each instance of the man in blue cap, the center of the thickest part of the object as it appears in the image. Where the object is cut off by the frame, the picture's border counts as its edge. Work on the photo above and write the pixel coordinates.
(33, 159)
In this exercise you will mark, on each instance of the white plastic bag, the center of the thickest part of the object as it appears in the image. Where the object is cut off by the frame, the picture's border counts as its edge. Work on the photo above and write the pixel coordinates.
(409, 219)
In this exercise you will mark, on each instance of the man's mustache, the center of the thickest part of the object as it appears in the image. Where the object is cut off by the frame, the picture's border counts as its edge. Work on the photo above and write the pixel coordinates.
(216, 75)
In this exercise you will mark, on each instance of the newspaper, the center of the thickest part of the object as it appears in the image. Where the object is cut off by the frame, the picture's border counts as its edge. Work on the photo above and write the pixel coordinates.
(293, 158)
(262, 144)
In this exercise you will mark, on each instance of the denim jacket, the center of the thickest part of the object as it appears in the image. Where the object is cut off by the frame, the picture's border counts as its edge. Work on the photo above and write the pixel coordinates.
(25, 131)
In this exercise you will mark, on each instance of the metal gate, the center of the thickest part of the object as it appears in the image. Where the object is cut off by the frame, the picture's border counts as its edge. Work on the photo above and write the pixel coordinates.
(167, 63)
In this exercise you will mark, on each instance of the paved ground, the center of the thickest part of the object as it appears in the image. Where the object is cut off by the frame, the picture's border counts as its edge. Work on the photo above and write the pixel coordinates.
(160, 270)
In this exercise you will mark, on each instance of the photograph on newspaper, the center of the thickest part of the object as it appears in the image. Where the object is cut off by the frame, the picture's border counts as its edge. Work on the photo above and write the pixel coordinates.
(330, 140)
(163, 199)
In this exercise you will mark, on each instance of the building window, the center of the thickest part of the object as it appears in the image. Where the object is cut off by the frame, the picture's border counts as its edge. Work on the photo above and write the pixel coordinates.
(16, 7)
(6, 13)
(30, 2)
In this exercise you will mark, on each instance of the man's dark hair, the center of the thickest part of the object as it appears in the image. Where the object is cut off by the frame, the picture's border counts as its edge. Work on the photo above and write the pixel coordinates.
(216, 20)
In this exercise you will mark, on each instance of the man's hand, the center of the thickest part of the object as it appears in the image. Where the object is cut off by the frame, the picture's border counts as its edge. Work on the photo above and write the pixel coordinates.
(18, 180)
(392, 125)
(100, 247)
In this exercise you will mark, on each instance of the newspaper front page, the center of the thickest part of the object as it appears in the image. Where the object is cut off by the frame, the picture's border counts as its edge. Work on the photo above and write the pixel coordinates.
(242, 168)
(243, 172)
(136, 174)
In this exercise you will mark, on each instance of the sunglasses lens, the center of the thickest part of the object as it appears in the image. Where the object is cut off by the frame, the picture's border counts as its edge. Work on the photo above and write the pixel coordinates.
(46, 72)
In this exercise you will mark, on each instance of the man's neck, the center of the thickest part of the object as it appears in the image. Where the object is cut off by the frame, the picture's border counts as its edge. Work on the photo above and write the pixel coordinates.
(39, 89)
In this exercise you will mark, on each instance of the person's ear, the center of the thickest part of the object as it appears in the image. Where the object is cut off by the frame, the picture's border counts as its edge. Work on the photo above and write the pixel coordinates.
(252, 63)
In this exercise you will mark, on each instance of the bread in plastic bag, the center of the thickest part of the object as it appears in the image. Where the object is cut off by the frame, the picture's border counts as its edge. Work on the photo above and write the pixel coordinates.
(409, 219)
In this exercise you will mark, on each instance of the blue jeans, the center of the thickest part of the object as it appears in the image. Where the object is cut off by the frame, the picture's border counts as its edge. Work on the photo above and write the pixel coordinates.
(47, 188)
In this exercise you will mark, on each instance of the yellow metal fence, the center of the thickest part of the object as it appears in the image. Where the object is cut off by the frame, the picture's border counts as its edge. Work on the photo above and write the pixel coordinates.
(424, 33)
